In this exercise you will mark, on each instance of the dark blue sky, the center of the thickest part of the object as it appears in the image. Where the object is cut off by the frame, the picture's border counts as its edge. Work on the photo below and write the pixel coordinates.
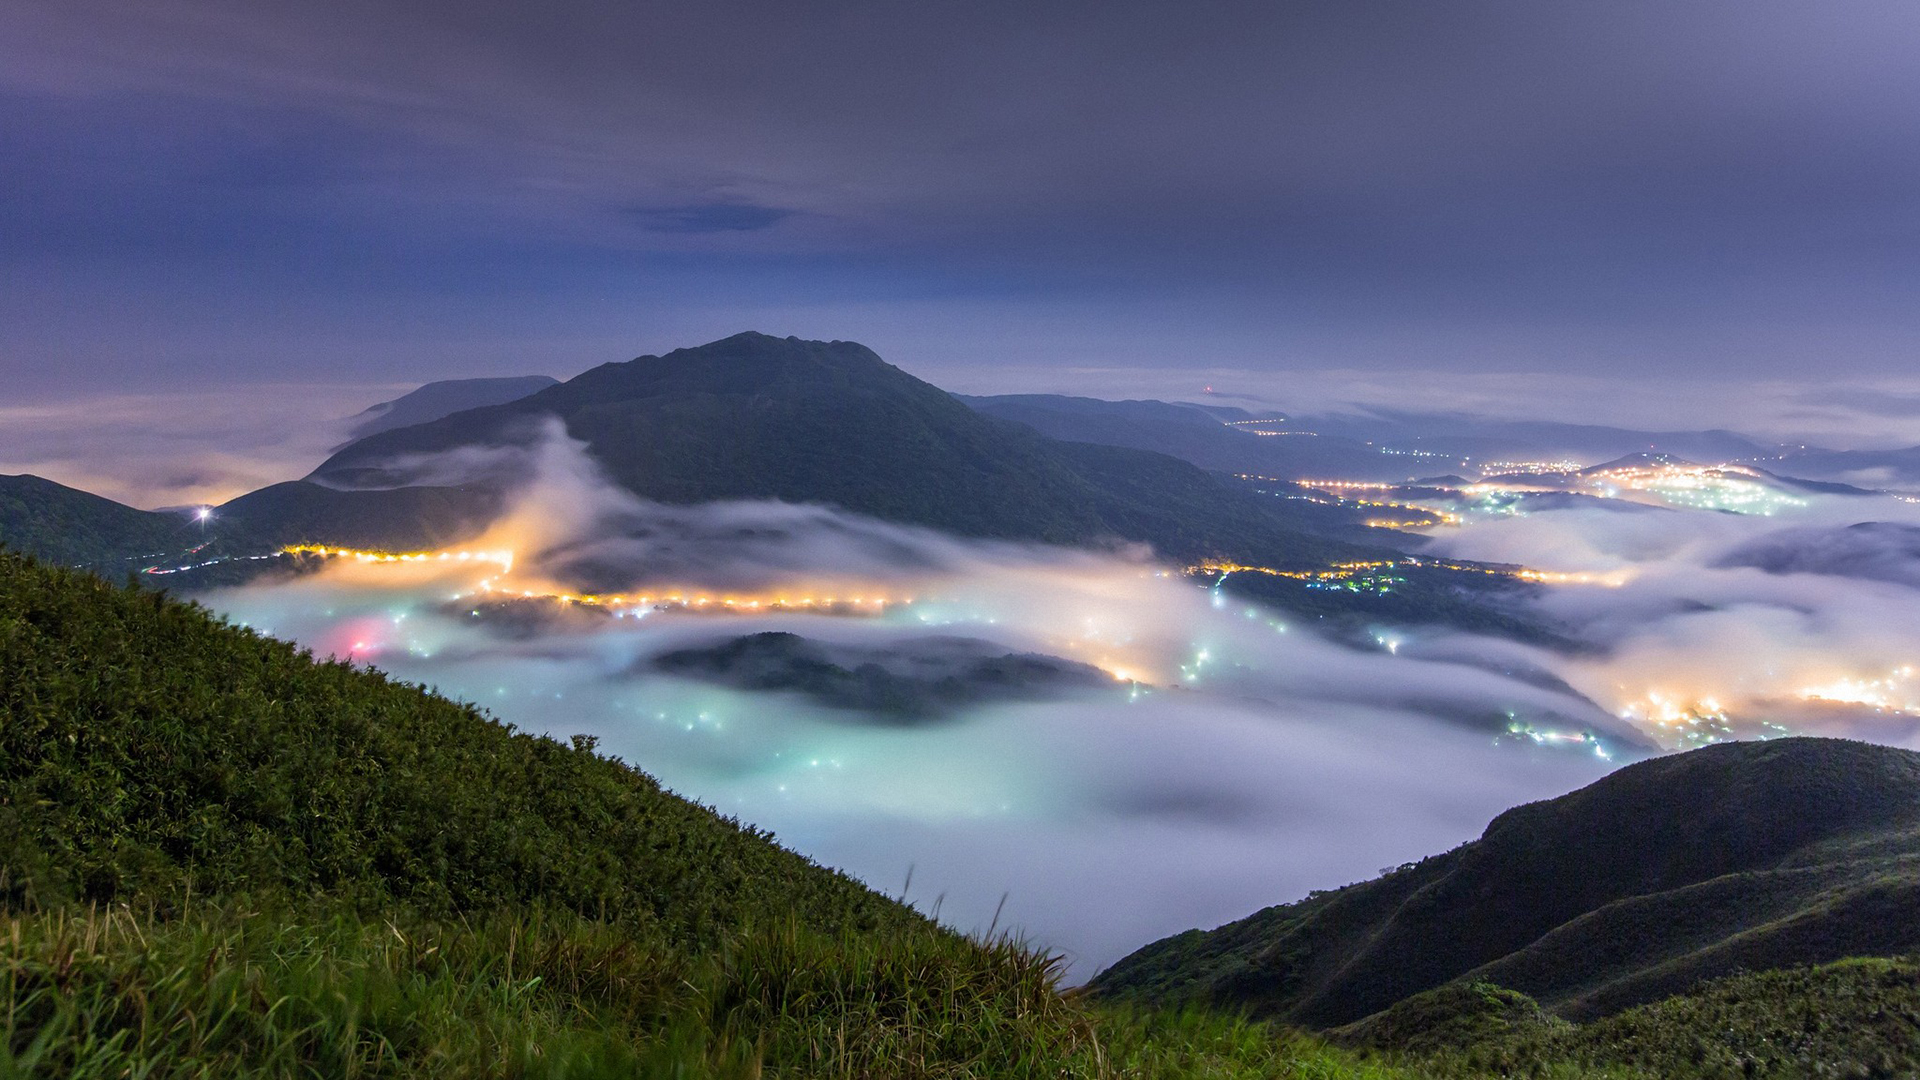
(200, 190)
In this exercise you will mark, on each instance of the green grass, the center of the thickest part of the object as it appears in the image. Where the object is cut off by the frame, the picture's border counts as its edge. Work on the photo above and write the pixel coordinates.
(1854, 1018)
(235, 992)
(149, 750)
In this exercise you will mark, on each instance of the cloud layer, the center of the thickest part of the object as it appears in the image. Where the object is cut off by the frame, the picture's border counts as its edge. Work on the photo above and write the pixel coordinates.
(1225, 760)
(1229, 759)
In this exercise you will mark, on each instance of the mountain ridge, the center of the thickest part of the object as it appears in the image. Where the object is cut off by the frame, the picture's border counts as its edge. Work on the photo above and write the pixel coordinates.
(1665, 872)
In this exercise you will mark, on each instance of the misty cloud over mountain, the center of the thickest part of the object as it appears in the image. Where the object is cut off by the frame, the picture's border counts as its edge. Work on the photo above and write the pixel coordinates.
(1870, 550)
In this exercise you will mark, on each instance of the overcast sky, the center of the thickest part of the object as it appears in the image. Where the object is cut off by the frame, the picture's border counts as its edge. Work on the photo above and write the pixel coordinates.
(202, 191)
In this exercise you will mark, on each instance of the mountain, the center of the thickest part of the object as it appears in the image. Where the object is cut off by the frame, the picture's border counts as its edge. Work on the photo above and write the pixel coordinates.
(438, 399)
(902, 682)
(758, 417)
(1878, 469)
(1223, 440)
(1451, 435)
(1735, 856)
(397, 519)
(754, 416)
(73, 527)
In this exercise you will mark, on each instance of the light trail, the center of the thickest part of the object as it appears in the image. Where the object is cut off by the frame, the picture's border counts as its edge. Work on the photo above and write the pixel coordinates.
(502, 559)
(666, 598)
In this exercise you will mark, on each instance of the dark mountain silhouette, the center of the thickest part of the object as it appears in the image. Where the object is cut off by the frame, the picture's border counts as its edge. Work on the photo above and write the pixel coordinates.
(754, 416)
(901, 682)
(1198, 435)
(399, 519)
(1736, 856)
(438, 399)
(72, 527)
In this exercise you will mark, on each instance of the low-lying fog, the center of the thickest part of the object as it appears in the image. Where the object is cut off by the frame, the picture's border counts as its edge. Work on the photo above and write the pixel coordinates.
(1116, 751)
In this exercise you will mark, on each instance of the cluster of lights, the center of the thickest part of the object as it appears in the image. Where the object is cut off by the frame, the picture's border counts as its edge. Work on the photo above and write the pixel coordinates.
(1417, 516)
(1381, 570)
(1685, 723)
(1330, 485)
(1521, 731)
(1504, 484)
(1698, 487)
(1896, 693)
(1349, 576)
(1528, 468)
(1408, 453)
(692, 601)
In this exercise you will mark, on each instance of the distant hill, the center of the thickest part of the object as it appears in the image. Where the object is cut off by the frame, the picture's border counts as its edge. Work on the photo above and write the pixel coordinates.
(73, 527)
(1201, 436)
(1736, 856)
(1487, 437)
(438, 399)
(1896, 469)
(902, 682)
(400, 519)
(754, 416)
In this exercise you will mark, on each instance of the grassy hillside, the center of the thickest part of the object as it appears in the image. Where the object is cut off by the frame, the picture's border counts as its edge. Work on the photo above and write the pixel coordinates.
(149, 750)
(1737, 856)
(216, 851)
(1851, 1018)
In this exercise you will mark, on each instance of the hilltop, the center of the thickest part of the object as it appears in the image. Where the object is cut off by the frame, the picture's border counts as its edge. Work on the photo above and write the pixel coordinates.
(1735, 856)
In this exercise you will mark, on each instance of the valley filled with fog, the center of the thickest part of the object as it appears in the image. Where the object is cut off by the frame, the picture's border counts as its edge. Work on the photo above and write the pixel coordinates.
(1091, 745)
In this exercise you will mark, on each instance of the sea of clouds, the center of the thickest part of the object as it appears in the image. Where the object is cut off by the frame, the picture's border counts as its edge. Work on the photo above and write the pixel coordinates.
(1229, 758)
